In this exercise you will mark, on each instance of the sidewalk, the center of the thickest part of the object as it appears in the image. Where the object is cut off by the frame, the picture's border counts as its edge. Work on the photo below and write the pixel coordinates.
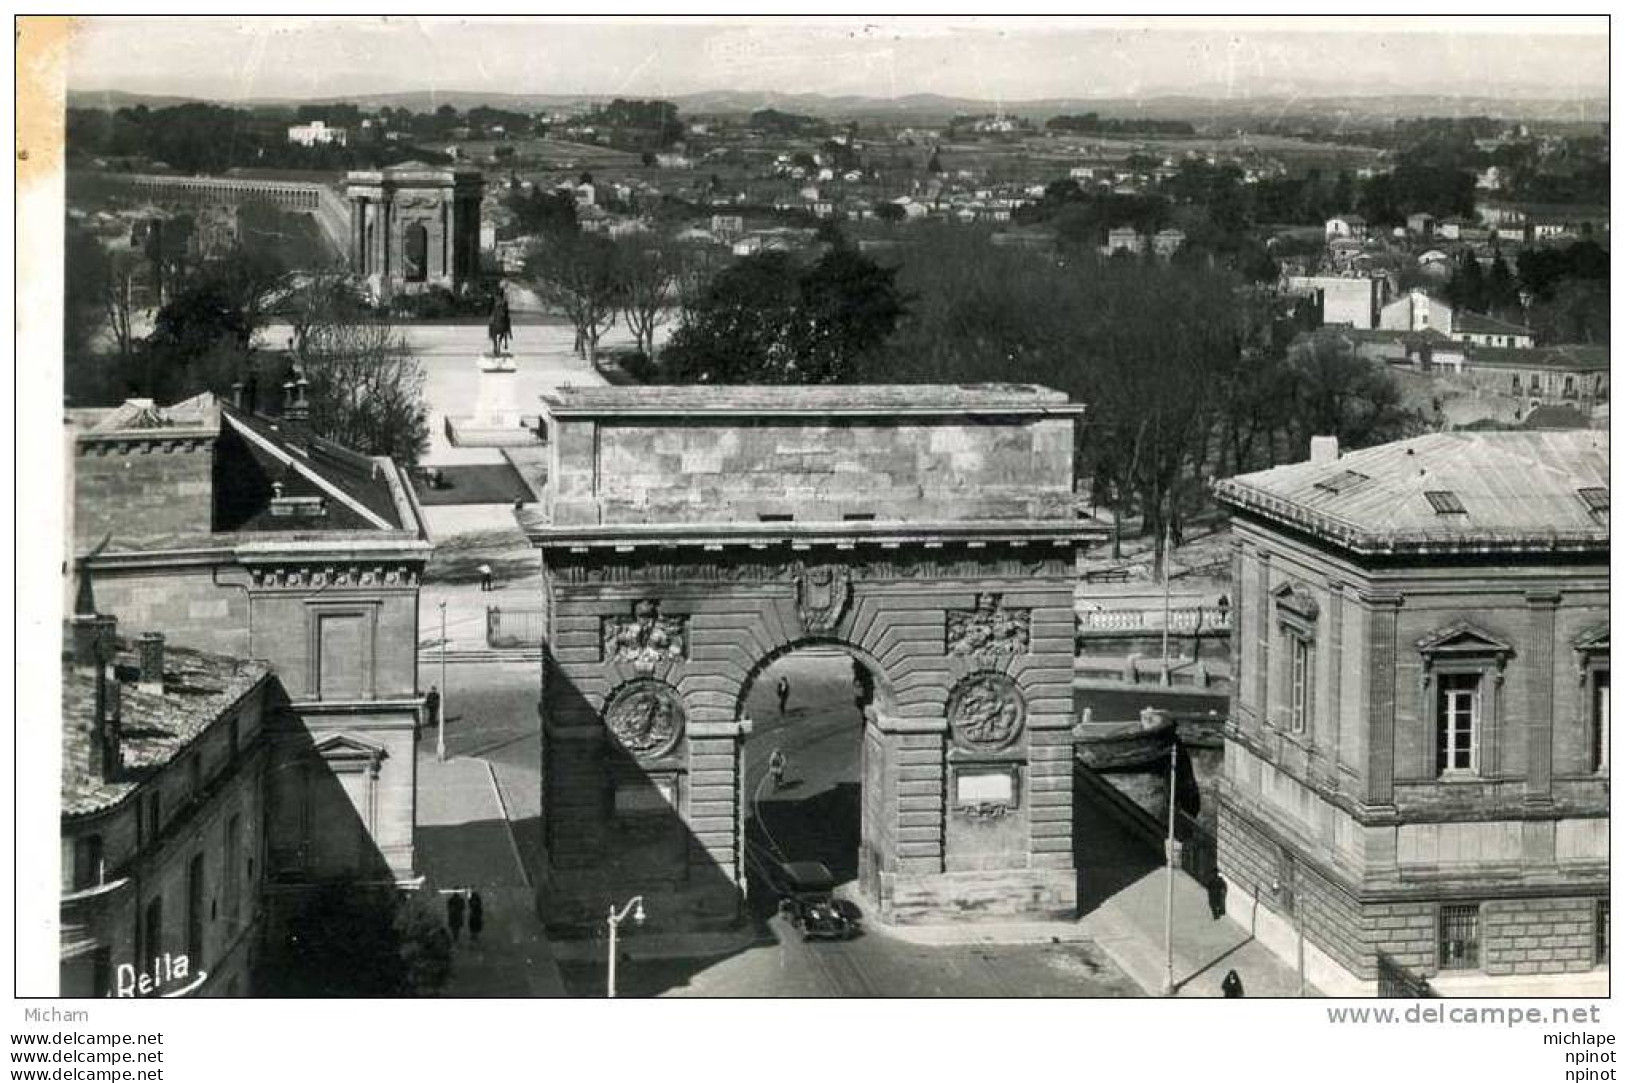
(1130, 928)
(464, 840)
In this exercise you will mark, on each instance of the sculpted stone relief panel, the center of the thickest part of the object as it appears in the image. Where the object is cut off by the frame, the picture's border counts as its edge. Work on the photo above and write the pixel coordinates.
(986, 712)
(646, 717)
(646, 637)
(990, 630)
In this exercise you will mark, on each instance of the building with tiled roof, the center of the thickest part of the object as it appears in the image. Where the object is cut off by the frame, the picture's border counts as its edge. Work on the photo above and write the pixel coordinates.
(164, 754)
(1416, 768)
(249, 536)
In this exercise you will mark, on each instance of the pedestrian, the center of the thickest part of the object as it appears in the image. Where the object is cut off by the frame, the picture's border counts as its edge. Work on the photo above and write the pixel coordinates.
(776, 764)
(1231, 986)
(476, 916)
(454, 914)
(485, 577)
(784, 695)
(431, 704)
(1216, 891)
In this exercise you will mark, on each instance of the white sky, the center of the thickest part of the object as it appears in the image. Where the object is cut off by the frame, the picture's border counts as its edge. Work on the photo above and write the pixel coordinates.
(1008, 59)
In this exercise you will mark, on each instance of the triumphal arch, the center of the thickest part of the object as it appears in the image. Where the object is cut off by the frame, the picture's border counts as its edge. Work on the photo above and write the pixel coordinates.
(692, 535)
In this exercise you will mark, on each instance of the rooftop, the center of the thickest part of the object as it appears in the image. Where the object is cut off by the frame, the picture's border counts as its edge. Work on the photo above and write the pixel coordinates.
(1517, 491)
(886, 400)
(199, 689)
(1476, 323)
(1573, 357)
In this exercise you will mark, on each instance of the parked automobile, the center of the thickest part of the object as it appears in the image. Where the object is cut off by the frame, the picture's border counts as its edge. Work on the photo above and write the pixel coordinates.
(811, 908)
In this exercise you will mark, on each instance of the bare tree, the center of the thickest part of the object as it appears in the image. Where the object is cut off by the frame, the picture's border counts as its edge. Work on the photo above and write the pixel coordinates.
(118, 300)
(649, 275)
(366, 389)
(578, 275)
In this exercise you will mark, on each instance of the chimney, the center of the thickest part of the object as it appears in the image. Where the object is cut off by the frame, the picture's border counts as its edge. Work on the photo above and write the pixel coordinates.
(1323, 449)
(152, 663)
(93, 641)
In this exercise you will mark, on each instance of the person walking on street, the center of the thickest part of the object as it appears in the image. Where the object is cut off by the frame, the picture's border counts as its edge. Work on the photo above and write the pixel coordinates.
(485, 577)
(454, 914)
(784, 695)
(431, 705)
(776, 764)
(476, 916)
(1216, 891)
(1231, 986)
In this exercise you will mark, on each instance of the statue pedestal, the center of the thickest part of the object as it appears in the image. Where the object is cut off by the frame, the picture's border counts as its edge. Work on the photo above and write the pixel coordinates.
(498, 417)
(496, 404)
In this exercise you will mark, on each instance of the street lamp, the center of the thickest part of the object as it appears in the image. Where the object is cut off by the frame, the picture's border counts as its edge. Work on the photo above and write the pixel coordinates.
(440, 721)
(1173, 860)
(634, 909)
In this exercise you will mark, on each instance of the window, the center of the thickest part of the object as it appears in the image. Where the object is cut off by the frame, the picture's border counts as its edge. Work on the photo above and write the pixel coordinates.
(194, 912)
(1600, 940)
(1599, 720)
(775, 517)
(858, 517)
(101, 972)
(1517, 383)
(234, 841)
(1299, 683)
(1458, 937)
(1457, 720)
(1445, 502)
(1568, 387)
(87, 862)
(152, 932)
(152, 817)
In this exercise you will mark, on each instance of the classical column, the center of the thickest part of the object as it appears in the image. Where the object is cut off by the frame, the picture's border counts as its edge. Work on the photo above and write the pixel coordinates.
(358, 234)
(1538, 712)
(1381, 690)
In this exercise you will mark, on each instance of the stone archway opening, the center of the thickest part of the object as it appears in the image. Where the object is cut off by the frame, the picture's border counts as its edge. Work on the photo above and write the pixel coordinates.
(812, 702)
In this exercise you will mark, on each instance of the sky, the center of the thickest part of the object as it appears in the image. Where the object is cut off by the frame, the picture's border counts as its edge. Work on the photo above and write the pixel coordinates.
(1010, 59)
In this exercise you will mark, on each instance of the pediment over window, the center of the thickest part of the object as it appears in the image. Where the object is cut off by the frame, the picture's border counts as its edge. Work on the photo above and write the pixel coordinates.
(1294, 603)
(346, 752)
(1594, 641)
(1465, 643)
(1463, 638)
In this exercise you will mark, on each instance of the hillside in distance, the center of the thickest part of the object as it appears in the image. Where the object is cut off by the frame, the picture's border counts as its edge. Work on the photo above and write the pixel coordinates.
(926, 108)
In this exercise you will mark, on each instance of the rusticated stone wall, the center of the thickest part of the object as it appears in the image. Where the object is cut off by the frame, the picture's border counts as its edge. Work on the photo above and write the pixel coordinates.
(971, 653)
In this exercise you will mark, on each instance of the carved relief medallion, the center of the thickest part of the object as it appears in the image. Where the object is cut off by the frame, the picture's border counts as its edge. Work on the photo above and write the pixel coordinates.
(990, 630)
(822, 592)
(646, 637)
(986, 712)
(646, 717)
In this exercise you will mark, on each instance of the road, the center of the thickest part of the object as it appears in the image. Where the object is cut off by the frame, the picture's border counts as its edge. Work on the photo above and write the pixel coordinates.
(815, 817)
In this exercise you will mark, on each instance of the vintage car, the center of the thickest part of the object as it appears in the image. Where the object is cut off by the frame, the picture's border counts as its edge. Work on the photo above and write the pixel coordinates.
(809, 905)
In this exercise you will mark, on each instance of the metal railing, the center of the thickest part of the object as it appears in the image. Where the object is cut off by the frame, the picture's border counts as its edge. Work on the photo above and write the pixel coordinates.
(1185, 620)
(1394, 980)
(509, 628)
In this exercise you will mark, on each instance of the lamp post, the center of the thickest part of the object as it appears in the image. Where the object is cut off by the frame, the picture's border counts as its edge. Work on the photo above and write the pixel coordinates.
(634, 909)
(1167, 553)
(1168, 930)
(440, 720)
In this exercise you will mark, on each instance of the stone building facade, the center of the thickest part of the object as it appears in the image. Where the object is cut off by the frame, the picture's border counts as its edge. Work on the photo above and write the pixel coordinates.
(164, 754)
(1416, 769)
(693, 535)
(234, 534)
(413, 226)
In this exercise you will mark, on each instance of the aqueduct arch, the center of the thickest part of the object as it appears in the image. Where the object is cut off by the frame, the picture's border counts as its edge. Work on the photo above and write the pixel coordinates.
(689, 534)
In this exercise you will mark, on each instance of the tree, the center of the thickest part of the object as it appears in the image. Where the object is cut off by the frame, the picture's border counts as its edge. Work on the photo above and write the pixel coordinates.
(648, 275)
(87, 276)
(579, 275)
(769, 320)
(366, 389)
(890, 212)
(352, 941)
(1335, 392)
